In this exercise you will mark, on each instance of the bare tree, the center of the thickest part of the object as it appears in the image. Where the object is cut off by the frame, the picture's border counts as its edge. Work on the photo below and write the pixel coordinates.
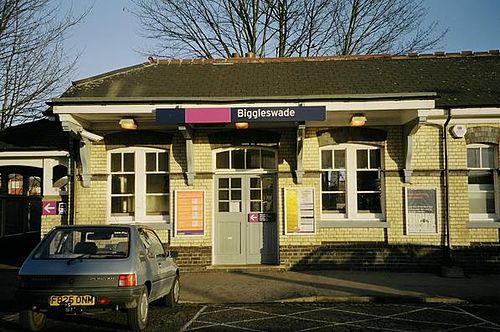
(33, 64)
(218, 28)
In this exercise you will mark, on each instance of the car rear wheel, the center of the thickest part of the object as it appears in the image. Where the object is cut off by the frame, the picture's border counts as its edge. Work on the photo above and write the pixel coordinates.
(172, 298)
(32, 320)
(138, 316)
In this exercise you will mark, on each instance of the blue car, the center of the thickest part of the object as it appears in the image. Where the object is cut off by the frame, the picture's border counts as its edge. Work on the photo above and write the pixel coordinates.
(77, 269)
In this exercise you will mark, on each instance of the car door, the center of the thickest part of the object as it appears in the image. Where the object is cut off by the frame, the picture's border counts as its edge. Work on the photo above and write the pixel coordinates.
(161, 264)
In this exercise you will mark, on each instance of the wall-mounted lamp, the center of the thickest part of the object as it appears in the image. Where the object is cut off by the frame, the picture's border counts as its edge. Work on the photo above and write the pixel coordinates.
(128, 123)
(358, 120)
(241, 125)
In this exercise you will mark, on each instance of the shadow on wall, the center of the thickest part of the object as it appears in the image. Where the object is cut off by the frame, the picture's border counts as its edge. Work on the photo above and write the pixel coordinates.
(480, 258)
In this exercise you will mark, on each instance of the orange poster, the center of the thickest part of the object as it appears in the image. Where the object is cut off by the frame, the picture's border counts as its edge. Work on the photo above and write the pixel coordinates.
(189, 212)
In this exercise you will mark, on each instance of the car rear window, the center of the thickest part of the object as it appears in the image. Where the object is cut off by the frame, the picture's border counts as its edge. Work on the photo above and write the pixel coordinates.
(85, 243)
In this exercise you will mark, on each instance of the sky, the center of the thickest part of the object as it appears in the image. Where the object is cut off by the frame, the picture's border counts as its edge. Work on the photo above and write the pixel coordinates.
(110, 38)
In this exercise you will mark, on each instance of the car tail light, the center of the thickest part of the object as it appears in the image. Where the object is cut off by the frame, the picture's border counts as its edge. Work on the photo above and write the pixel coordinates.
(127, 280)
(104, 300)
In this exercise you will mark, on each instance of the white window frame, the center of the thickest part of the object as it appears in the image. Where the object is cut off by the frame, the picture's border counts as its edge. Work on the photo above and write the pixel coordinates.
(351, 184)
(140, 187)
(486, 217)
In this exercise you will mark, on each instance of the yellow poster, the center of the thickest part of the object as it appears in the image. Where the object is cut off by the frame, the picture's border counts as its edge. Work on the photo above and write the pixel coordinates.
(292, 211)
(299, 210)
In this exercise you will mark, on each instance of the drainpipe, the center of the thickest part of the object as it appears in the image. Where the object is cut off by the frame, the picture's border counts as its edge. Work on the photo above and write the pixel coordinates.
(448, 256)
(71, 182)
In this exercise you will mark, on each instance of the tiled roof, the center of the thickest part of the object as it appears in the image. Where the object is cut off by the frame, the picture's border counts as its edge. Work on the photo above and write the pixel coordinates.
(459, 79)
(34, 136)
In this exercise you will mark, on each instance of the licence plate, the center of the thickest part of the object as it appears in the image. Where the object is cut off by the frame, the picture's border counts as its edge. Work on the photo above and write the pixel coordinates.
(73, 300)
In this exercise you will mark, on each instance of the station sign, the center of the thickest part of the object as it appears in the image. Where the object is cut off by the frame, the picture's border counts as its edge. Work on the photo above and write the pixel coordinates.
(240, 114)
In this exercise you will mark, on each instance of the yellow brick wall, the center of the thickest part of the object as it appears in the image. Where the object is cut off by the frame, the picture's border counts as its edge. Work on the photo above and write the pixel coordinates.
(91, 203)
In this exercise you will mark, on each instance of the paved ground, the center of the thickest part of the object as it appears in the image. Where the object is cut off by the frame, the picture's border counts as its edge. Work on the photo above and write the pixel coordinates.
(290, 317)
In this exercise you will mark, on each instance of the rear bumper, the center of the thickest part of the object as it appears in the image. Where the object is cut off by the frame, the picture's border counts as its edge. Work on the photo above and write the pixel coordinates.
(121, 297)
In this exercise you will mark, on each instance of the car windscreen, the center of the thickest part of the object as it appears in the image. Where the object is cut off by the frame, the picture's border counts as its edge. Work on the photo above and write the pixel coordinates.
(85, 243)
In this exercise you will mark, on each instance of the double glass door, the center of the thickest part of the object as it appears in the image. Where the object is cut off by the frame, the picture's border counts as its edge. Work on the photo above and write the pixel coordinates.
(245, 219)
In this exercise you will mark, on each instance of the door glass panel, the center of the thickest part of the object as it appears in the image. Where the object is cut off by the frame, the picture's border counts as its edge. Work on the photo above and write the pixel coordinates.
(255, 206)
(255, 194)
(236, 183)
(236, 195)
(224, 183)
(223, 206)
(267, 195)
(224, 195)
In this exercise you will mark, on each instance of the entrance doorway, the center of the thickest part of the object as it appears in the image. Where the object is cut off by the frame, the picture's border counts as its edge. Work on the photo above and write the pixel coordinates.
(245, 219)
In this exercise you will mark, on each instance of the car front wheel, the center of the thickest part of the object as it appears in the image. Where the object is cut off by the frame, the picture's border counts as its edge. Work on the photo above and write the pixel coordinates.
(138, 316)
(32, 320)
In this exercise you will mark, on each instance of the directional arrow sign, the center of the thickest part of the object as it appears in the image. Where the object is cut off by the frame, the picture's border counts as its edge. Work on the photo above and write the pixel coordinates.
(253, 217)
(49, 208)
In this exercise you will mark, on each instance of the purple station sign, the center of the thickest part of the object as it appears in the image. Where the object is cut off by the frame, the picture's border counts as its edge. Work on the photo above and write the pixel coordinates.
(240, 114)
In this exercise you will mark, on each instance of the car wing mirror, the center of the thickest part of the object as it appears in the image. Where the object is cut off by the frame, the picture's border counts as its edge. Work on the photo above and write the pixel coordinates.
(172, 253)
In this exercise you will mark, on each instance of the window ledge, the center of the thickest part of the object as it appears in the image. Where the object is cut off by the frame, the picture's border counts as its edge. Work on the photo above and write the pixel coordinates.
(353, 223)
(483, 224)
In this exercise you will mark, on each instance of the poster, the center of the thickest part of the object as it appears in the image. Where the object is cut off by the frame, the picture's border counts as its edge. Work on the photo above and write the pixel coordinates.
(299, 210)
(421, 210)
(189, 212)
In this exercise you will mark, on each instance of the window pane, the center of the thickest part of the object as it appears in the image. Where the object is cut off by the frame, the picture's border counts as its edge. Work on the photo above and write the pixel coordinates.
(333, 181)
(150, 162)
(375, 158)
(339, 157)
(35, 186)
(157, 205)
(488, 157)
(481, 202)
(122, 184)
(334, 203)
(253, 159)
(362, 159)
(163, 162)
(369, 203)
(224, 183)
(122, 205)
(326, 159)
(156, 183)
(222, 160)
(15, 184)
(480, 177)
(368, 181)
(473, 157)
(268, 160)
(116, 162)
(224, 195)
(128, 162)
(238, 159)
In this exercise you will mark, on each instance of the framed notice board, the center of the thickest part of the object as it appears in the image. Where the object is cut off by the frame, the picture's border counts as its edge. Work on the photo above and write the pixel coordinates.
(299, 210)
(190, 212)
(421, 210)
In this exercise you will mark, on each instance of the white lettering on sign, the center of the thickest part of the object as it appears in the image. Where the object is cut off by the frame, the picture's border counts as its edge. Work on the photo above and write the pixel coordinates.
(265, 113)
